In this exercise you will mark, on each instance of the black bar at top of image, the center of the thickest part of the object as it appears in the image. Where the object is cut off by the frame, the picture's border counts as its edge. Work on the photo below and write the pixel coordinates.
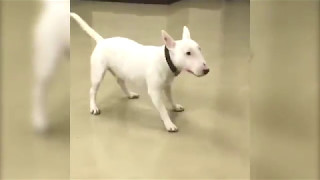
(141, 1)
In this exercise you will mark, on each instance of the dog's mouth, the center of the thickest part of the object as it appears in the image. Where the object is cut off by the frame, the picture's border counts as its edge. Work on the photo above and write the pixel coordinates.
(189, 71)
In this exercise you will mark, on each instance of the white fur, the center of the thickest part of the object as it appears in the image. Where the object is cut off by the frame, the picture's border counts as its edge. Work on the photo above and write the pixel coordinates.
(51, 41)
(128, 60)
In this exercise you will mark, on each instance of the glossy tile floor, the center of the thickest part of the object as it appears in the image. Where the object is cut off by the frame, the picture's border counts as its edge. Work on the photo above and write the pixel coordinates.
(128, 140)
(284, 83)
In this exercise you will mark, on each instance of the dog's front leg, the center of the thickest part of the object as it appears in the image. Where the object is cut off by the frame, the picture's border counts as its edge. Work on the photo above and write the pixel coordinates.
(155, 95)
(174, 106)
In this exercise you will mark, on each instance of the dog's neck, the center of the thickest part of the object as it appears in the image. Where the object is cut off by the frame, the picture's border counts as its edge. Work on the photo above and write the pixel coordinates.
(174, 69)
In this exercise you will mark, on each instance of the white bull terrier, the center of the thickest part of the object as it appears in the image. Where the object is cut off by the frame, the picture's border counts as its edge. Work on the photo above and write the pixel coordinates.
(155, 66)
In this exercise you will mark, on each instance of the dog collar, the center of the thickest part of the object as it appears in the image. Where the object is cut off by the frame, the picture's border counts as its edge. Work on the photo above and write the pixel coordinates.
(172, 67)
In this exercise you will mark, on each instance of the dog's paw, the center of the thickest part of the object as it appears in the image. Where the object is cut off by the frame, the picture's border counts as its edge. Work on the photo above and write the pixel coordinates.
(133, 95)
(40, 124)
(95, 111)
(171, 127)
(178, 108)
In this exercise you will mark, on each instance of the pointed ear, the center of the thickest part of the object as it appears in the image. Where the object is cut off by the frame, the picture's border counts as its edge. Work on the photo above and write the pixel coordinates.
(186, 33)
(168, 40)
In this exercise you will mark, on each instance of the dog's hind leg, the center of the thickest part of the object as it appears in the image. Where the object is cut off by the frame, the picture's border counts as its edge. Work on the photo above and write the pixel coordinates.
(45, 62)
(97, 74)
(122, 84)
(130, 95)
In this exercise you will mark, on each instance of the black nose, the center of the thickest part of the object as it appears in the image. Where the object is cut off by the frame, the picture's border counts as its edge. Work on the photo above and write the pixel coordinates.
(206, 71)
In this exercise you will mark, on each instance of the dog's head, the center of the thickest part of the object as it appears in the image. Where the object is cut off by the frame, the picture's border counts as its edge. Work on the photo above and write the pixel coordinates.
(186, 53)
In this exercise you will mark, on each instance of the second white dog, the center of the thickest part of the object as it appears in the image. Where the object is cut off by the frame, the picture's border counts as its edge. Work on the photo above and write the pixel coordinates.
(155, 66)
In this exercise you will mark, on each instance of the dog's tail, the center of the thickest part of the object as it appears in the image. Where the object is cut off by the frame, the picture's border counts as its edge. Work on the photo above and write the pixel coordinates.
(86, 27)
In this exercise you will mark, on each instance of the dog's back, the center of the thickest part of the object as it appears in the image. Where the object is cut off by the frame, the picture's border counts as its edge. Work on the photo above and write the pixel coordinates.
(128, 59)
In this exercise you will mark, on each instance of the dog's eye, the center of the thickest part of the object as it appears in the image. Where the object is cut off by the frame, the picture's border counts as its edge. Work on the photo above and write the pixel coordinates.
(188, 53)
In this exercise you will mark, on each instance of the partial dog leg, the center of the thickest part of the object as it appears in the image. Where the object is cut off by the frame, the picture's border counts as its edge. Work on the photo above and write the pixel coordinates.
(45, 62)
(168, 93)
(97, 73)
(155, 95)
(122, 84)
(130, 95)
(40, 119)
